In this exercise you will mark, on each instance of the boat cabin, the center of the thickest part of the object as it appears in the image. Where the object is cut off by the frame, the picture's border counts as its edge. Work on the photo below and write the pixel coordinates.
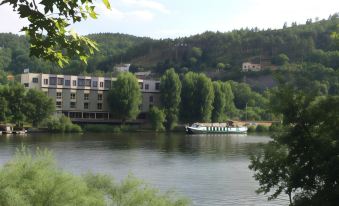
(6, 128)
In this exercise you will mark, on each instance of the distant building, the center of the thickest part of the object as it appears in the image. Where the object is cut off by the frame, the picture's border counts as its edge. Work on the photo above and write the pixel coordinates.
(10, 77)
(248, 66)
(143, 75)
(122, 67)
(85, 97)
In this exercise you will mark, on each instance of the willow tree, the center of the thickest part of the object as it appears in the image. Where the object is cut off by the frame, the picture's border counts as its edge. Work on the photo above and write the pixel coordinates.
(170, 89)
(125, 97)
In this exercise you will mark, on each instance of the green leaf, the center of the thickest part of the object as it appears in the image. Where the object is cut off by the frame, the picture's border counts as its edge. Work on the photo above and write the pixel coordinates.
(107, 4)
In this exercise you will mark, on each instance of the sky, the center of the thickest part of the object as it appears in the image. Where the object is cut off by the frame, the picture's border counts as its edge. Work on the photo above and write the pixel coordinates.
(178, 18)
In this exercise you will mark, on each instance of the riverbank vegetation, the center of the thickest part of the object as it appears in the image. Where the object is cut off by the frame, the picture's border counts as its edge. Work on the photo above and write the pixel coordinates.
(34, 179)
(302, 159)
(61, 124)
(19, 105)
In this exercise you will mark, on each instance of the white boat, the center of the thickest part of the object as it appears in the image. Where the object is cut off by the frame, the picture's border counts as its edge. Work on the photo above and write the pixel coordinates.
(6, 129)
(216, 128)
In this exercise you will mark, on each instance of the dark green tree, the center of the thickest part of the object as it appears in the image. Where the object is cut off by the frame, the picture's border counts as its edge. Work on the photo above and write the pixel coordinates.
(218, 103)
(281, 59)
(242, 94)
(125, 97)
(3, 77)
(197, 98)
(302, 160)
(170, 90)
(15, 96)
(3, 108)
(230, 109)
(38, 106)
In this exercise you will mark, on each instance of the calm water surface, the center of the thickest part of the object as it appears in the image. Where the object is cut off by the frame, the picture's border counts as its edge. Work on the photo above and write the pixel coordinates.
(209, 169)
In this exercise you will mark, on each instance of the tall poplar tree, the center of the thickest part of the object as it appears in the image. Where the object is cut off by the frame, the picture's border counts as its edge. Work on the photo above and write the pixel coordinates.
(125, 97)
(197, 98)
(218, 103)
(170, 89)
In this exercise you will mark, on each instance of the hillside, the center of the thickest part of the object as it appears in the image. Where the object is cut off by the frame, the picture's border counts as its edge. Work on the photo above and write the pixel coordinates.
(310, 43)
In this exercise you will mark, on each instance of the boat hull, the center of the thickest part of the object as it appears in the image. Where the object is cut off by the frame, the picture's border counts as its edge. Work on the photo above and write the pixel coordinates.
(230, 130)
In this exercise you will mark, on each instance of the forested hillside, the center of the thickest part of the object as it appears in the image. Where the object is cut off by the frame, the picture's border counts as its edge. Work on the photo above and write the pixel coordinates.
(207, 52)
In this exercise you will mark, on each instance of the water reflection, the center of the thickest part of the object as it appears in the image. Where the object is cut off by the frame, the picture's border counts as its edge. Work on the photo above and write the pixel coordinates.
(210, 169)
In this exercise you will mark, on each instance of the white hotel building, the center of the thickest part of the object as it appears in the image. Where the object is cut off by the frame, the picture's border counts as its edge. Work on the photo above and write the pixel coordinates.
(84, 98)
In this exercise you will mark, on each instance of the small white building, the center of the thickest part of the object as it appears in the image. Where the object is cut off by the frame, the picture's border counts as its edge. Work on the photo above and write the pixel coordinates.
(122, 67)
(248, 66)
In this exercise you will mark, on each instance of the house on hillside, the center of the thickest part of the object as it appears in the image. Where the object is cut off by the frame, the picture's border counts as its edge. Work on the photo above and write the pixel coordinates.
(248, 66)
(122, 67)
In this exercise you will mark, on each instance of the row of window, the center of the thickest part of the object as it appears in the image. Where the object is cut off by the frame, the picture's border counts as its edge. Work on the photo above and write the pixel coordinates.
(86, 96)
(73, 96)
(86, 83)
(73, 105)
(157, 86)
(80, 82)
(225, 129)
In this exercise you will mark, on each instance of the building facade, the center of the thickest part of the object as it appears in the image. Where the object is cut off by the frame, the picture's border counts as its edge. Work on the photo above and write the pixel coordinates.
(85, 97)
(248, 66)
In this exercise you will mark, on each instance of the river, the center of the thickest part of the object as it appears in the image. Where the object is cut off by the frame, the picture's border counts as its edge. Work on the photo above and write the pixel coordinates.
(208, 169)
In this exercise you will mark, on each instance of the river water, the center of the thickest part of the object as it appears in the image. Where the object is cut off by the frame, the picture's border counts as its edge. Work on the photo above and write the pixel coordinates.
(208, 169)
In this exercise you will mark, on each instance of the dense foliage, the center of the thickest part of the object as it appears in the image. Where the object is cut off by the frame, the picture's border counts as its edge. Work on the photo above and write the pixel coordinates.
(157, 118)
(212, 52)
(125, 97)
(197, 98)
(218, 103)
(302, 160)
(18, 105)
(29, 180)
(61, 124)
(170, 90)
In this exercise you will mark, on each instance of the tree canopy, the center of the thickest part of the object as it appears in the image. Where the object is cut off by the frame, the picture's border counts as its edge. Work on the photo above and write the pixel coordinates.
(125, 97)
(204, 52)
(197, 98)
(48, 31)
(302, 160)
(170, 90)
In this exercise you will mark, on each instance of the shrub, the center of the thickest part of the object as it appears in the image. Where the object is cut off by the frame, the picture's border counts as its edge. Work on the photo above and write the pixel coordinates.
(261, 128)
(275, 127)
(35, 180)
(251, 129)
(62, 124)
(157, 119)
